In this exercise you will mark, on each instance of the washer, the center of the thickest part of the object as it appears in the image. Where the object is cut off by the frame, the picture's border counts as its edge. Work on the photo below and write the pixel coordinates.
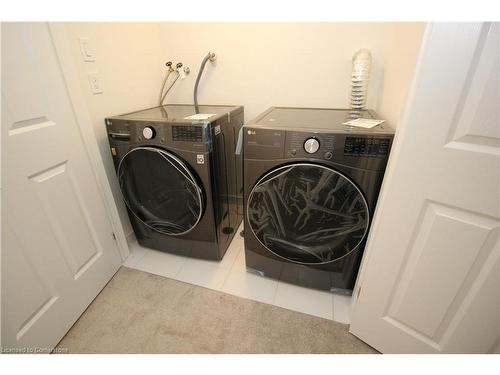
(180, 177)
(310, 189)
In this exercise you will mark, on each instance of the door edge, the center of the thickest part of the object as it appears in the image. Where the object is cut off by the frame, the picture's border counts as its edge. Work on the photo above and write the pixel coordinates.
(57, 31)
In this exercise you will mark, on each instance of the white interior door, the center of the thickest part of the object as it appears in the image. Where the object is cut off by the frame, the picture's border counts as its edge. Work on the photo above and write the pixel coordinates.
(58, 249)
(430, 280)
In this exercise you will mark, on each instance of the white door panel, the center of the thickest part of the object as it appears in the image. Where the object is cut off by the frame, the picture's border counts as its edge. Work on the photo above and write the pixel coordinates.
(430, 280)
(59, 249)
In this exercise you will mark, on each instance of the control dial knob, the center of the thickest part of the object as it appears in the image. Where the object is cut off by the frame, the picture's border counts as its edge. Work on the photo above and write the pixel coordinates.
(148, 132)
(311, 145)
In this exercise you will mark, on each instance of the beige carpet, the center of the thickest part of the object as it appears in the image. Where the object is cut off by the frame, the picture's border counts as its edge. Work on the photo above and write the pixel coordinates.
(138, 312)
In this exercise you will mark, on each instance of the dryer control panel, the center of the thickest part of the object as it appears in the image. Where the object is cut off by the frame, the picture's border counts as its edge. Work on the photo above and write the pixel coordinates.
(353, 150)
(309, 144)
(367, 146)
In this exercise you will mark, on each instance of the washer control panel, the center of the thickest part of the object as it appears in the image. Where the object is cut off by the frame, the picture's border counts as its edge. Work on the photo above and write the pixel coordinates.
(187, 137)
(311, 145)
(187, 133)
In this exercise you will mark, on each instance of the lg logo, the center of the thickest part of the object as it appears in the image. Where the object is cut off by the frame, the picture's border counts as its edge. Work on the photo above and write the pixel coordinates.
(251, 132)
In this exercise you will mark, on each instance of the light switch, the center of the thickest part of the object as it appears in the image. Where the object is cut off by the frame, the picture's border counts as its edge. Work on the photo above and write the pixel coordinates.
(85, 49)
(95, 83)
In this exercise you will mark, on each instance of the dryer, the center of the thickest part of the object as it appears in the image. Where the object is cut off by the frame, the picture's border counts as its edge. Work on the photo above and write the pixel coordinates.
(310, 189)
(180, 177)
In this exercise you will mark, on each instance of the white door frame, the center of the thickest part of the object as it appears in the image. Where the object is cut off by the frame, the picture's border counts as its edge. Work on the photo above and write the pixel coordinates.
(380, 285)
(83, 119)
(1, 195)
(389, 172)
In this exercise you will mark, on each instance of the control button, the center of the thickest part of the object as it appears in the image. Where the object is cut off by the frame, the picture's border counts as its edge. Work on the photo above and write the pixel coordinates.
(328, 155)
(311, 145)
(148, 132)
(293, 152)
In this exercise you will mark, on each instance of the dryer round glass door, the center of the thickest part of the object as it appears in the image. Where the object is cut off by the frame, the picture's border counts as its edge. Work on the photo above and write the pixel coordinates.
(160, 190)
(307, 213)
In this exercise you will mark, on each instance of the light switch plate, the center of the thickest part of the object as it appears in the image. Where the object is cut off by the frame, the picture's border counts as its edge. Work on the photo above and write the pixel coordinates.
(95, 82)
(85, 49)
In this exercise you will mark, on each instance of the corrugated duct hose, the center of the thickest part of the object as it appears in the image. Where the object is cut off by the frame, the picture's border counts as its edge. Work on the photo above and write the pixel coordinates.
(210, 56)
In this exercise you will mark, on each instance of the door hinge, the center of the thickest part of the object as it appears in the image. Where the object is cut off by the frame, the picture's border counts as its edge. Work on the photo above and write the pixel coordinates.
(114, 236)
(357, 294)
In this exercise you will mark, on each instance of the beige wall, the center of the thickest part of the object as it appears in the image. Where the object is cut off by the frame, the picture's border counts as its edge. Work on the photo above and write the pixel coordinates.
(292, 64)
(128, 60)
(400, 64)
(258, 65)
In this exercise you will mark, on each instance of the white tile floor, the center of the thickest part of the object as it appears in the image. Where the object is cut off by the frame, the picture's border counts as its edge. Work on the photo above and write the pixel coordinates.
(230, 276)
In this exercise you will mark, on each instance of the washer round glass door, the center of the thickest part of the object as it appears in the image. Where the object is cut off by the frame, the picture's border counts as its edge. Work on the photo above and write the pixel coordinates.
(307, 213)
(160, 191)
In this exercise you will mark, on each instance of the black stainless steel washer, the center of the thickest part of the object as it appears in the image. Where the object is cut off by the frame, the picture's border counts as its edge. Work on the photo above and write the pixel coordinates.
(180, 177)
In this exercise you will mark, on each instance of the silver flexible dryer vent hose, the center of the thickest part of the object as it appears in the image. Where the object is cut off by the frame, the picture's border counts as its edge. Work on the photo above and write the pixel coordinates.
(360, 77)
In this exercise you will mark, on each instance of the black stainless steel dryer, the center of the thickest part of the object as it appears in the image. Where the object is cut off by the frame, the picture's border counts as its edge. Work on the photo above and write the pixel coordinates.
(310, 189)
(180, 177)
